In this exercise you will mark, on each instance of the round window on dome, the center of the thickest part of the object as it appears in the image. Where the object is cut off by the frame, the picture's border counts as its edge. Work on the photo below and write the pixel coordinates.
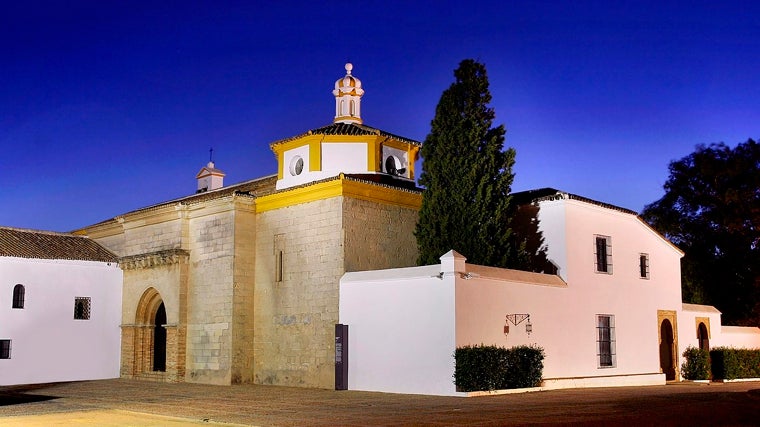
(296, 165)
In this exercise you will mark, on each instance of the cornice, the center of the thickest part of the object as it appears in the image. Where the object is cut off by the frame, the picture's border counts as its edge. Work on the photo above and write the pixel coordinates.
(154, 259)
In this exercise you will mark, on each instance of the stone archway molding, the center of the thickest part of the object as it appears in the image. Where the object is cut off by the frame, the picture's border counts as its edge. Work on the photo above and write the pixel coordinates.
(138, 346)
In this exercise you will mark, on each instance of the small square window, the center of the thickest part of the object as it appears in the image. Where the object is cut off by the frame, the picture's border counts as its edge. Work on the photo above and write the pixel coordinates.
(644, 266)
(82, 308)
(5, 349)
(603, 254)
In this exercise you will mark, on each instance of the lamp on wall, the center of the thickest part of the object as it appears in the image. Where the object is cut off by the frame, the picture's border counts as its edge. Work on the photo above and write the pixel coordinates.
(516, 319)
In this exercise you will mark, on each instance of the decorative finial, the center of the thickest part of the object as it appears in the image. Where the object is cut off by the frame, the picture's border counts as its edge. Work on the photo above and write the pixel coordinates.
(211, 154)
(349, 67)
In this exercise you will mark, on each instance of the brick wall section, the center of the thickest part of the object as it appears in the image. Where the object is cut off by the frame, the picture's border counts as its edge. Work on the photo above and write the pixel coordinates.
(295, 318)
(378, 236)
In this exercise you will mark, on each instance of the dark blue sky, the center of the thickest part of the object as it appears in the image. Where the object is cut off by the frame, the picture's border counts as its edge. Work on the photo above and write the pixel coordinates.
(109, 106)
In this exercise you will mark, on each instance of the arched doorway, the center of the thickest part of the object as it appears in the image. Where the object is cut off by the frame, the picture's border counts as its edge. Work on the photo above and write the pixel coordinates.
(149, 337)
(159, 339)
(667, 353)
(703, 337)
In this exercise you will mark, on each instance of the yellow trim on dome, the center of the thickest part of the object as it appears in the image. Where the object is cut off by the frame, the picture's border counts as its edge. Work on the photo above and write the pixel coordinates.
(353, 119)
(340, 186)
(315, 155)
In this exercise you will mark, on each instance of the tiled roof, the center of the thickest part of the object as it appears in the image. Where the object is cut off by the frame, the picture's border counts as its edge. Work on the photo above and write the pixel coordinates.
(22, 243)
(254, 187)
(349, 129)
(542, 194)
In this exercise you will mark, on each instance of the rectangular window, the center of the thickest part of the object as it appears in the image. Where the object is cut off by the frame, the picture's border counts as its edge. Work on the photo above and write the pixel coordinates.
(279, 243)
(278, 267)
(605, 341)
(603, 254)
(82, 308)
(5, 349)
(644, 266)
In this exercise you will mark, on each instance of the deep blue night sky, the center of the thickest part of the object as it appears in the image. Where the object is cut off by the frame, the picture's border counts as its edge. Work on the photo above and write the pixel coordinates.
(110, 106)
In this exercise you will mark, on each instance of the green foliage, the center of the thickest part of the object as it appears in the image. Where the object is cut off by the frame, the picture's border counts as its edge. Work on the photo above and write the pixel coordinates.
(711, 210)
(467, 175)
(732, 363)
(479, 368)
(697, 365)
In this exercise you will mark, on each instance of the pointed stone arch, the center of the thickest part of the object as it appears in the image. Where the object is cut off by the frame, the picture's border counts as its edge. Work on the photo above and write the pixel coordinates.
(149, 346)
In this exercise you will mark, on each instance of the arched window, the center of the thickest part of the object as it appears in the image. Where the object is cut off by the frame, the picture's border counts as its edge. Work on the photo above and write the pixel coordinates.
(353, 108)
(18, 296)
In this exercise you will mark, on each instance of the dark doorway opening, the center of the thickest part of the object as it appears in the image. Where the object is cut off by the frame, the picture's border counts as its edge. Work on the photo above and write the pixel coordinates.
(159, 340)
(667, 362)
(703, 337)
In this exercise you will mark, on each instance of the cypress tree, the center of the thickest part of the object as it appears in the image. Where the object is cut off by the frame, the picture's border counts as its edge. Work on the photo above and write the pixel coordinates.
(467, 175)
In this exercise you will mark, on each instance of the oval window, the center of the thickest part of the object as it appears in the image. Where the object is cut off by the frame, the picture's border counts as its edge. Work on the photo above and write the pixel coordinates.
(390, 165)
(296, 165)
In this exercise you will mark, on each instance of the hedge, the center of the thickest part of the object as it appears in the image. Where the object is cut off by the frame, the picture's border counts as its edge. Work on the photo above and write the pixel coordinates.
(484, 367)
(731, 363)
(697, 365)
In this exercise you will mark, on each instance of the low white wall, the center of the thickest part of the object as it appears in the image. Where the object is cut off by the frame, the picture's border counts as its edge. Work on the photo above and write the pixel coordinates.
(739, 337)
(48, 345)
(401, 330)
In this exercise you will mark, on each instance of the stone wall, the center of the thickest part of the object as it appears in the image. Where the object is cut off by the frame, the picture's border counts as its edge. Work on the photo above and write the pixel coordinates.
(378, 236)
(295, 317)
(243, 286)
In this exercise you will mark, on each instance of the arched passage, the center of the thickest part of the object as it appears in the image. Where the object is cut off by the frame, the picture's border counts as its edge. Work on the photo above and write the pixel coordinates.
(159, 339)
(703, 337)
(667, 353)
(149, 339)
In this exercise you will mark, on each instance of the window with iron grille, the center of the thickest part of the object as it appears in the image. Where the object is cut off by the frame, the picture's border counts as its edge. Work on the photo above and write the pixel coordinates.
(5, 349)
(18, 296)
(82, 308)
(605, 341)
(644, 266)
(603, 254)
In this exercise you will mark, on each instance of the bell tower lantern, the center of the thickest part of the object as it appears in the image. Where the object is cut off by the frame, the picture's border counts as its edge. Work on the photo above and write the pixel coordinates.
(348, 96)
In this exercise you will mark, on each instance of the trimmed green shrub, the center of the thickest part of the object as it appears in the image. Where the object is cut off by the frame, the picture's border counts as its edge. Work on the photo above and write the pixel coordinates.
(484, 367)
(697, 365)
(732, 363)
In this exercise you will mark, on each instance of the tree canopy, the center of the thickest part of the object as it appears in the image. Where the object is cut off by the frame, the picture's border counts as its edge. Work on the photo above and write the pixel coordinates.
(467, 175)
(711, 210)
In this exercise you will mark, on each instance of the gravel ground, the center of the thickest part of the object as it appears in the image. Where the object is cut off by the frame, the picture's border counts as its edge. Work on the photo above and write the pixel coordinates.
(125, 402)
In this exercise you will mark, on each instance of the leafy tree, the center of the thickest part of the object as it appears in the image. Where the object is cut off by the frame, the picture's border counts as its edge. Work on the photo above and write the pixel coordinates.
(467, 175)
(711, 210)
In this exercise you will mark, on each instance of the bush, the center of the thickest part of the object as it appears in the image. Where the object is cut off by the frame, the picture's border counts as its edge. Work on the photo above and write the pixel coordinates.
(697, 365)
(494, 368)
(731, 363)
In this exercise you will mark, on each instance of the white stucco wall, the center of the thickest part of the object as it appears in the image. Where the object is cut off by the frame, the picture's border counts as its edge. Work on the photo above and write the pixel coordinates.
(346, 157)
(48, 345)
(739, 337)
(401, 330)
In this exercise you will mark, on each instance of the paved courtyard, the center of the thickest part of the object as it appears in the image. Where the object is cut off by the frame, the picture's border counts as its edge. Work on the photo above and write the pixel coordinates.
(136, 403)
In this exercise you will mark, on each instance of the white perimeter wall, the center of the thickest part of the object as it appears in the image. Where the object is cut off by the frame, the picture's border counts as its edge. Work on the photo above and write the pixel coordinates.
(401, 330)
(564, 325)
(48, 345)
(738, 337)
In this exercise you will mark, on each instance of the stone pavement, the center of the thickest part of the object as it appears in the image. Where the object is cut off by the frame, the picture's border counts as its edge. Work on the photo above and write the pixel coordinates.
(138, 403)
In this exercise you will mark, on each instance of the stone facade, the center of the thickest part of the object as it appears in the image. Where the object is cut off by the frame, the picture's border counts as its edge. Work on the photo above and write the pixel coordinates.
(240, 284)
(251, 295)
